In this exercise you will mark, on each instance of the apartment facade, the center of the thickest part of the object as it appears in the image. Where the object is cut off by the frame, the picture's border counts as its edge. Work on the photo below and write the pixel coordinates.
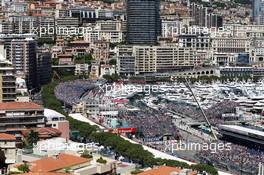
(18, 115)
(203, 17)
(196, 40)
(43, 26)
(108, 30)
(6, 26)
(43, 66)
(81, 69)
(8, 38)
(95, 70)
(67, 26)
(106, 69)
(23, 58)
(7, 82)
(8, 146)
(100, 50)
(7, 77)
(169, 28)
(23, 24)
(125, 60)
(163, 58)
(143, 21)
(227, 44)
(258, 12)
(151, 59)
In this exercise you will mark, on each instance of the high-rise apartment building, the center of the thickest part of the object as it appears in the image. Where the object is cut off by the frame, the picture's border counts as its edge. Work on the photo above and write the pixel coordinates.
(20, 50)
(7, 78)
(258, 12)
(43, 66)
(7, 38)
(23, 58)
(23, 24)
(125, 60)
(7, 81)
(143, 21)
(198, 14)
(6, 26)
(201, 16)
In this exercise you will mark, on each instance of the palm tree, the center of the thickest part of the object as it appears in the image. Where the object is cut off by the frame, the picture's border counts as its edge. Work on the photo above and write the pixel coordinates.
(32, 138)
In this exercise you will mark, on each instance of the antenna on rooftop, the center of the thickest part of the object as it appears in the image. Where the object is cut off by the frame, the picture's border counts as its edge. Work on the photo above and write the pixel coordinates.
(206, 119)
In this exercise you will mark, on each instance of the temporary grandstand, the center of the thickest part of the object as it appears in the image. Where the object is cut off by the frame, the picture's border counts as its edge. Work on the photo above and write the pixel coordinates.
(70, 92)
(243, 135)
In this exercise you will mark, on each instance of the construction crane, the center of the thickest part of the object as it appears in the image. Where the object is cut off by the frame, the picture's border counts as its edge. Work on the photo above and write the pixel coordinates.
(205, 117)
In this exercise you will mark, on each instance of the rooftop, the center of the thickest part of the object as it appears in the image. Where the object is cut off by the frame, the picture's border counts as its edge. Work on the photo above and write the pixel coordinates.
(43, 132)
(49, 113)
(163, 170)
(7, 137)
(46, 173)
(19, 105)
(49, 164)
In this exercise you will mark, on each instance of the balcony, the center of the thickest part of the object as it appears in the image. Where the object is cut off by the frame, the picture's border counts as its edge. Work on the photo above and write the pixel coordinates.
(22, 123)
(21, 116)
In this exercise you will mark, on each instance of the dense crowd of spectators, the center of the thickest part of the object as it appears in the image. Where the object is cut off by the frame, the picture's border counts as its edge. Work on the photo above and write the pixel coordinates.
(213, 113)
(150, 123)
(238, 159)
(70, 92)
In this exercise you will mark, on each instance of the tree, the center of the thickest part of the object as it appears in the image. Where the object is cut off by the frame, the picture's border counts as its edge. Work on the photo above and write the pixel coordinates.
(101, 160)
(111, 78)
(112, 62)
(86, 154)
(55, 61)
(32, 138)
(23, 168)
(84, 59)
